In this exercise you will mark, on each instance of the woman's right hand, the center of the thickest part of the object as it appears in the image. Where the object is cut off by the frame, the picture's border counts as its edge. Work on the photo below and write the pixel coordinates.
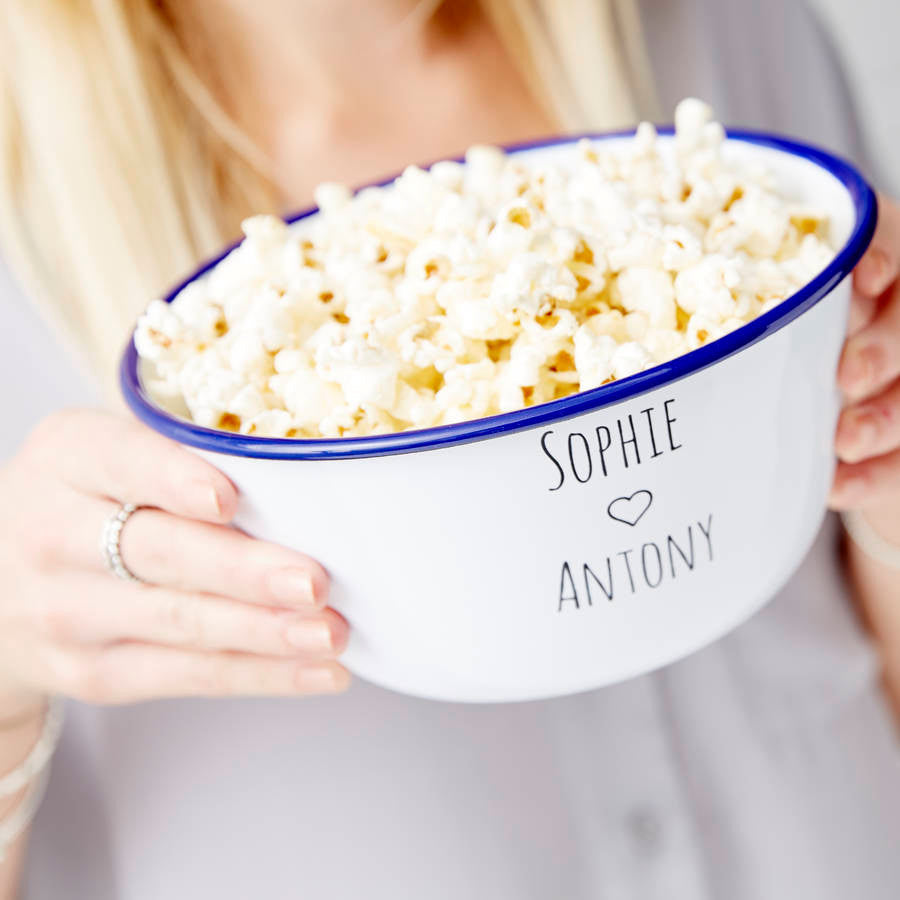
(220, 613)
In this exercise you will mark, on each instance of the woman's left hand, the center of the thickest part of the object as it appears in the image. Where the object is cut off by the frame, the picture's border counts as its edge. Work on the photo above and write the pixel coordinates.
(868, 434)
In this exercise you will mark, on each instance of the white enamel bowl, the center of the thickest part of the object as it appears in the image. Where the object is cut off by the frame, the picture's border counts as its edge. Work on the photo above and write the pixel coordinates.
(519, 557)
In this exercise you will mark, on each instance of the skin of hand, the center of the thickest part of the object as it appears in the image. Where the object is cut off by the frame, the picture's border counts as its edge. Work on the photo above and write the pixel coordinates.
(868, 438)
(224, 614)
(220, 613)
(868, 434)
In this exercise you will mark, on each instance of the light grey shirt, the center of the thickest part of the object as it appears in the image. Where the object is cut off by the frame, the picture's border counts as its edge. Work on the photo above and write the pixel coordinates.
(763, 767)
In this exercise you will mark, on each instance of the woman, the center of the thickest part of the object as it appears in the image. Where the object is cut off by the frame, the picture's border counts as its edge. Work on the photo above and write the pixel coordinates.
(136, 135)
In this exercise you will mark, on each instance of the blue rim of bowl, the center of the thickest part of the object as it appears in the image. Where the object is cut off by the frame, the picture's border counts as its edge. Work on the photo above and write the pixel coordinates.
(233, 444)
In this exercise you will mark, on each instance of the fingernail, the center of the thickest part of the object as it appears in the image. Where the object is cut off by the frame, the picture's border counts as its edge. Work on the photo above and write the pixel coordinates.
(323, 680)
(293, 586)
(313, 636)
(204, 498)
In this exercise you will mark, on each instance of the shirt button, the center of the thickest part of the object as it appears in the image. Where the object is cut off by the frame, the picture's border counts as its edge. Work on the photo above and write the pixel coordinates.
(646, 831)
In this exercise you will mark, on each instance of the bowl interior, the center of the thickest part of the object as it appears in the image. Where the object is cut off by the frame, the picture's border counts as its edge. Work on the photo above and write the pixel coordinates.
(803, 174)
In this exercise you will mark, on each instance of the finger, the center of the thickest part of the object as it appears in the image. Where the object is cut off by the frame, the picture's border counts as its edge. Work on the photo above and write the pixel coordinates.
(188, 555)
(871, 358)
(111, 456)
(98, 609)
(876, 270)
(197, 556)
(130, 672)
(870, 428)
(880, 265)
(863, 309)
(866, 484)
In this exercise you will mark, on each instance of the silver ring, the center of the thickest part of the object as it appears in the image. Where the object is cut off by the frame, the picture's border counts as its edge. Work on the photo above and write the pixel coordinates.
(109, 542)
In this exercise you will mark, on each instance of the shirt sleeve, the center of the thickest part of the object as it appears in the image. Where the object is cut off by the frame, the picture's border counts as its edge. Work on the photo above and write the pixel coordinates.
(863, 35)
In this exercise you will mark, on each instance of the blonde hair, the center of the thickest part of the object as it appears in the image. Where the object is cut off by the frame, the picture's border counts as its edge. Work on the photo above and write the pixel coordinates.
(119, 170)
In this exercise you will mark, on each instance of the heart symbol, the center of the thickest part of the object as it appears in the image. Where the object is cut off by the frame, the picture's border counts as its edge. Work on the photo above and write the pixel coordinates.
(630, 510)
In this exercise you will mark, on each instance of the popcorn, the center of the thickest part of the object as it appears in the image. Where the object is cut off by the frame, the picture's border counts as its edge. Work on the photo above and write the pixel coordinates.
(648, 290)
(630, 358)
(594, 357)
(276, 423)
(305, 395)
(467, 290)
(709, 286)
(331, 197)
(691, 117)
(247, 403)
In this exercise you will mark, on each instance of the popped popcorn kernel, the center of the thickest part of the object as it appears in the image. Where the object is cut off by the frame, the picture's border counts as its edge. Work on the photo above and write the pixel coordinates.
(471, 289)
